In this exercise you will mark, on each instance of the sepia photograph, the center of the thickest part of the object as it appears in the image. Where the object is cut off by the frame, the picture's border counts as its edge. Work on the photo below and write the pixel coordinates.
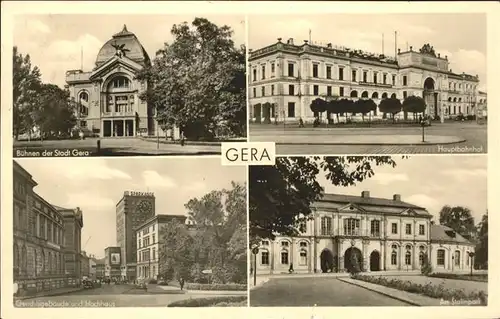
(368, 83)
(115, 85)
(129, 232)
(369, 231)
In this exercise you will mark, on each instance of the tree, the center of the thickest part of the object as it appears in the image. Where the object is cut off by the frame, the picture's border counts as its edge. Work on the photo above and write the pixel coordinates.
(333, 107)
(280, 196)
(355, 264)
(198, 81)
(220, 242)
(369, 106)
(318, 106)
(391, 106)
(364, 107)
(414, 104)
(481, 257)
(459, 219)
(175, 251)
(426, 268)
(26, 82)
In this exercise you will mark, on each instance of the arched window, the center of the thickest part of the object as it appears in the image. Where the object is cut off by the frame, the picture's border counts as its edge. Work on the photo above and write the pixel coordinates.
(408, 258)
(467, 258)
(24, 260)
(449, 99)
(50, 263)
(83, 97)
(457, 258)
(284, 257)
(119, 82)
(375, 95)
(394, 258)
(303, 257)
(454, 99)
(364, 94)
(264, 257)
(421, 258)
(354, 93)
(393, 95)
(384, 95)
(303, 244)
(44, 263)
(35, 261)
(460, 99)
(440, 257)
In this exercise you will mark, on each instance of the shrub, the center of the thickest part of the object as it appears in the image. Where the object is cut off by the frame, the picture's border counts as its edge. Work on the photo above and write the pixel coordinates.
(209, 302)
(426, 268)
(152, 281)
(429, 290)
(226, 287)
(482, 278)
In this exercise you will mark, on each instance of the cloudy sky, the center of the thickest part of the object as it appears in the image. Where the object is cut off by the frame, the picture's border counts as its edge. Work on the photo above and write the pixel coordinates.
(97, 184)
(460, 36)
(428, 181)
(54, 42)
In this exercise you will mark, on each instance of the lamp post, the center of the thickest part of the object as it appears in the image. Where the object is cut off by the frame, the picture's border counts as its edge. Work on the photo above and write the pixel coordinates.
(471, 255)
(255, 251)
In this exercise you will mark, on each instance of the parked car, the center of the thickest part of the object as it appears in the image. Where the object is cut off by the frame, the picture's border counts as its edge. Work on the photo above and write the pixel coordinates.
(87, 284)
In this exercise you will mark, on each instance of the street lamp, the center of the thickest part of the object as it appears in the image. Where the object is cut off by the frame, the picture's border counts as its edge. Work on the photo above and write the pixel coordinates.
(255, 251)
(471, 255)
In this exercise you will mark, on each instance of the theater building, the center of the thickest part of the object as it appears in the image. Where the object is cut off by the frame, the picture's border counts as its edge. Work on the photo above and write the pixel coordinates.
(284, 78)
(149, 237)
(385, 234)
(39, 239)
(133, 210)
(108, 95)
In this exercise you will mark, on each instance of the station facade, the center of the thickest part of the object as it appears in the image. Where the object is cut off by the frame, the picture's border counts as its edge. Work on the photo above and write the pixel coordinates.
(290, 76)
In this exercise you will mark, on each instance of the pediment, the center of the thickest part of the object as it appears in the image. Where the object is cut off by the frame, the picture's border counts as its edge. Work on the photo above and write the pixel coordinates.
(351, 208)
(409, 212)
(114, 65)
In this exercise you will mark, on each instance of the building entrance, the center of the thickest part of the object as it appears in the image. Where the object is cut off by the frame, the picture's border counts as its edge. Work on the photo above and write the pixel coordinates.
(430, 98)
(350, 255)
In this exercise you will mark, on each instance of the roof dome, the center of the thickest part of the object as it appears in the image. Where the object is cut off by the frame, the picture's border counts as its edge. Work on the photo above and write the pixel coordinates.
(131, 47)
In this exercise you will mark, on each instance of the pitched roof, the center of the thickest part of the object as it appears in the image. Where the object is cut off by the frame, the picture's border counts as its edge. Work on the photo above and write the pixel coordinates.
(441, 233)
(369, 201)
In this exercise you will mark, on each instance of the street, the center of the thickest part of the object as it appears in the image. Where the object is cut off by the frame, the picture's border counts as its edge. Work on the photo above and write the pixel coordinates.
(315, 140)
(319, 291)
(109, 296)
(109, 147)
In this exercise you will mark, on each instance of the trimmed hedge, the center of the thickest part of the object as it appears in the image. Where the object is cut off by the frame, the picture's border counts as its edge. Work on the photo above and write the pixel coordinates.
(228, 301)
(223, 287)
(478, 277)
(429, 290)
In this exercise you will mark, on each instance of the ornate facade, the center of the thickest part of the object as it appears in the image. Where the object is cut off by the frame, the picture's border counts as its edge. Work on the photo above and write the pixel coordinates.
(108, 96)
(40, 239)
(386, 234)
(289, 77)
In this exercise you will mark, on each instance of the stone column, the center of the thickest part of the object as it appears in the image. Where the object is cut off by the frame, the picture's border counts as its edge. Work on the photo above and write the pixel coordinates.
(112, 128)
(271, 256)
(382, 255)
(292, 250)
(366, 264)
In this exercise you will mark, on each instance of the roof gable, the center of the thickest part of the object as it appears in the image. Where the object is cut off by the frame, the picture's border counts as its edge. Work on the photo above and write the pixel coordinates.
(114, 62)
(351, 207)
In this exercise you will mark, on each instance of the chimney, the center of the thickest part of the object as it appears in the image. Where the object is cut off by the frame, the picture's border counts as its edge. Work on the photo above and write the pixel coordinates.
(365, 194)
(396, 197)
(411, 48)
(329, 45)
(290, 41)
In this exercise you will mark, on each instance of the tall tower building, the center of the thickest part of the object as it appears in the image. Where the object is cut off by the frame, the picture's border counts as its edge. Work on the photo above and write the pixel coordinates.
(133, 209)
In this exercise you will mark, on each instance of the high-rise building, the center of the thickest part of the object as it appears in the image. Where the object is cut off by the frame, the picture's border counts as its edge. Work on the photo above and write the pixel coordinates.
(131, 211)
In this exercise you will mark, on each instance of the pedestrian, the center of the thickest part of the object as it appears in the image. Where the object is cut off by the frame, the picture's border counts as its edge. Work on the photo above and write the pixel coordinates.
(182, 138)
(290, 270)
(181, 283)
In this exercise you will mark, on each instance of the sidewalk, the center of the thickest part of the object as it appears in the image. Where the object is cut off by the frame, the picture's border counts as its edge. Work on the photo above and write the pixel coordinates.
(410, 298)
(55, 292)
(218, 292)
(349, 139)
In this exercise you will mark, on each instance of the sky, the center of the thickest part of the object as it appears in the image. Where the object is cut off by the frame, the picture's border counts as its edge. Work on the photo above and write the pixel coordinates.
(55, 42)
(428, 181)
(97, 184)
(460, 36)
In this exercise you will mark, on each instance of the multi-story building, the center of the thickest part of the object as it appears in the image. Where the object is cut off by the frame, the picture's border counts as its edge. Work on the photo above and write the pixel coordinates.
(38, 238)
(108, 96)
(113, 263)
(482, 104)
(73, 224)
(92, 267)
(131, 211)
(100, 268)
(385, 234)
(149, 236)
(285, 78)
(85, 264)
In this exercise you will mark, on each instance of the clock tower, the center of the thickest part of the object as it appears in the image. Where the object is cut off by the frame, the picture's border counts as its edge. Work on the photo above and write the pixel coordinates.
(133, 209)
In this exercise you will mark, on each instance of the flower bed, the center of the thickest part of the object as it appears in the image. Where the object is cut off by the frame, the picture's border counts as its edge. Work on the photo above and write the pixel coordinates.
(222, 287)
(228, 301)
(429, 290)
(479, 277)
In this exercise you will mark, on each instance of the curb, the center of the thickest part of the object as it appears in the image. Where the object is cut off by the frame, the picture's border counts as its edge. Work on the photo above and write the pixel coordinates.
(215, 292)
(48, 295)
(375, 144)
(383, 293)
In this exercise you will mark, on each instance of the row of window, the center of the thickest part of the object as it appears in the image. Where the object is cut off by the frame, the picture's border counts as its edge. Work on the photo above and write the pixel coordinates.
(42, 264)
(40, 226)
(120, 103)
(352, 227)
(145, 231)
(144, 242)
(145, 255)
(146, 272)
